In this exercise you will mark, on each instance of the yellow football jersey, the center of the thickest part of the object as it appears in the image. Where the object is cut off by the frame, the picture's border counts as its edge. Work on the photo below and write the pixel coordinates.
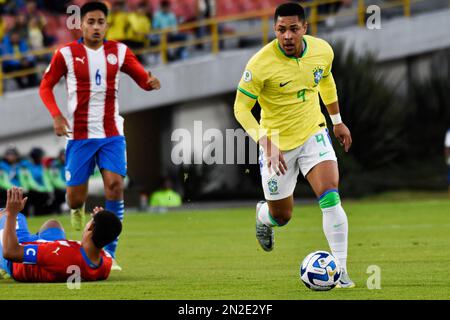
(287, 90)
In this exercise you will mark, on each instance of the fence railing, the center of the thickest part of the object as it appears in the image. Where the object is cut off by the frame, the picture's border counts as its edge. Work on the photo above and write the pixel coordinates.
(215, 36)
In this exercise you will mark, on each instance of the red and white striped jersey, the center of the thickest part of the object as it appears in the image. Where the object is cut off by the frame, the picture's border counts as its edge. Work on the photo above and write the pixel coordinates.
(92, 79)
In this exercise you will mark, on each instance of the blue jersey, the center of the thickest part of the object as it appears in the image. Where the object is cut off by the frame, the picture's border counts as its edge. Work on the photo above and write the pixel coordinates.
(12, 170)
(36, 170)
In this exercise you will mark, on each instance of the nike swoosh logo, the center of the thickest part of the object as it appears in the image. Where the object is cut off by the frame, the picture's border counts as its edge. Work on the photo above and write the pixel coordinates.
(321, 154)
(338, 225)
(284, 84)
(332, 273)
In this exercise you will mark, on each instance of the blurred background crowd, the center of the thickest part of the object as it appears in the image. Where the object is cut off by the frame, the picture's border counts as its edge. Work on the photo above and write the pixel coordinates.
(32, 25)
(41, 177)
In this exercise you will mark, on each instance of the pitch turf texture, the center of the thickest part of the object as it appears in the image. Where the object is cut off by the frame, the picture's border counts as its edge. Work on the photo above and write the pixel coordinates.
(214, 255)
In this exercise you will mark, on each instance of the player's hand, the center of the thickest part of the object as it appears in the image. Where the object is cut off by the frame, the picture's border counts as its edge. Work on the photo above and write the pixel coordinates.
(97, 210)
(61, 126)
(153, 82)
(343, 135)
(274, 157)
(15, 202)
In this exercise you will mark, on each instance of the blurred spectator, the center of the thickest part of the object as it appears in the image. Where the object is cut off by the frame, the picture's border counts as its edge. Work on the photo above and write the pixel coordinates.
(205, 10)
(57, 175)
(36, 25)
(165, 197)
(21, 26)
(447, 155)
(13, 44)
(37, 181)
(164, 18)
(118, 22)
(36, 35)
(139, 27)
(9, 173)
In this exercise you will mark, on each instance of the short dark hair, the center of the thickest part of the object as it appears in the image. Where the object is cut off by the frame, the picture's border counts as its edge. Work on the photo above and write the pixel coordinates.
(94, 6)
(107, 227)
(289, 9)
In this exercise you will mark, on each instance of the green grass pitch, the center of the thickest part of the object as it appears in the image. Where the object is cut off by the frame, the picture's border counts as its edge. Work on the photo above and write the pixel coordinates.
(214, 255)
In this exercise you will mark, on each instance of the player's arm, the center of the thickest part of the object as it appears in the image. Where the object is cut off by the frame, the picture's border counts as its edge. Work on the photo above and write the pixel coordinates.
(246, 97)
(55, 71)
(15, 202)
(328, 93)
(136, 71)
(243, 106)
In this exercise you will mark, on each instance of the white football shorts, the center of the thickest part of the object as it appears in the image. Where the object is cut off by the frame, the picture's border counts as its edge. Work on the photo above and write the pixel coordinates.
(316, 149)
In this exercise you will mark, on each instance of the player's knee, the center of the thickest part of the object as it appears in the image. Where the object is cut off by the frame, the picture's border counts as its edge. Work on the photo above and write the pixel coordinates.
(75, 202)
(51, 224)
(114, 189)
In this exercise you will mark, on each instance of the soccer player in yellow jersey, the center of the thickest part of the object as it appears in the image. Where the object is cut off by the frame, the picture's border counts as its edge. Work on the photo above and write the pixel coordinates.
(286, 77)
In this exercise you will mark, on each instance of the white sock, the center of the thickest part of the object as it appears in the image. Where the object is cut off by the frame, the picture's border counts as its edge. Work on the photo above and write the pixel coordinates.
(265, 217)
(335, 227)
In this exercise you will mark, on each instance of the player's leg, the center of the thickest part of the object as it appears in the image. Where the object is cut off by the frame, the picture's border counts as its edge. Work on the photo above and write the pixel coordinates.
(80, 164)
(276, 211)
(318, 164)
(324, 180)
(52, 230)
(111, 160)
(113, 183)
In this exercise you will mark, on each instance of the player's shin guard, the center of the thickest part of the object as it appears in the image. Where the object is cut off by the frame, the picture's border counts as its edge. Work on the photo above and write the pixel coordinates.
(335, 225)
(117, 207)
(266, 218)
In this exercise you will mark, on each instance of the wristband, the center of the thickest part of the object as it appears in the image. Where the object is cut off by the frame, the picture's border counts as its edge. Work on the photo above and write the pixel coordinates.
(336, 118)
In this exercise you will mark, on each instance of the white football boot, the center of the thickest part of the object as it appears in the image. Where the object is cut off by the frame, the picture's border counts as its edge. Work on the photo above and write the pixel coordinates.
(264, 234)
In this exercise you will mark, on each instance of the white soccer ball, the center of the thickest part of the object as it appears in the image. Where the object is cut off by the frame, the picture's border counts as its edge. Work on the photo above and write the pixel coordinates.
(320, 271)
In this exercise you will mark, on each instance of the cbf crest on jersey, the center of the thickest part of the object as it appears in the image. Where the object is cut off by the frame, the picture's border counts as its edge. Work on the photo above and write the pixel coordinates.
(273, 186)
(318, 75)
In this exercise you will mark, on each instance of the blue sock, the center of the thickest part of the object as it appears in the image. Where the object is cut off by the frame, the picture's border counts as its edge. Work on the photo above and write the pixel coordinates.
(117, 207)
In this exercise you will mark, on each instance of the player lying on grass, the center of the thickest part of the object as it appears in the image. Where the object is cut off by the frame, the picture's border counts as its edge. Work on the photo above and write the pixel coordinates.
(48, 256)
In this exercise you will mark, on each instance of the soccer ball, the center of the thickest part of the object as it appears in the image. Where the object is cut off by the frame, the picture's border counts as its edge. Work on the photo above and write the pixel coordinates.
(320, 271)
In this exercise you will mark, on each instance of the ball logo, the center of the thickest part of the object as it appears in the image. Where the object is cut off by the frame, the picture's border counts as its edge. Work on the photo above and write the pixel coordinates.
(247, 76)
(112, 59)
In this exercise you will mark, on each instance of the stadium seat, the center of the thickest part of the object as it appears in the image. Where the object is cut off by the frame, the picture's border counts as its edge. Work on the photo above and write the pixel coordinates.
(226, 8)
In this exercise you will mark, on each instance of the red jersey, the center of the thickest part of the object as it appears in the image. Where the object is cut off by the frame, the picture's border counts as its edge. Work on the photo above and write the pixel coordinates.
(92, 80)
(56, 261)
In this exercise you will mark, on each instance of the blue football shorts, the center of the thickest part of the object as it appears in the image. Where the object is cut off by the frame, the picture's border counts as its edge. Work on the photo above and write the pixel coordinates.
(83, 155)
